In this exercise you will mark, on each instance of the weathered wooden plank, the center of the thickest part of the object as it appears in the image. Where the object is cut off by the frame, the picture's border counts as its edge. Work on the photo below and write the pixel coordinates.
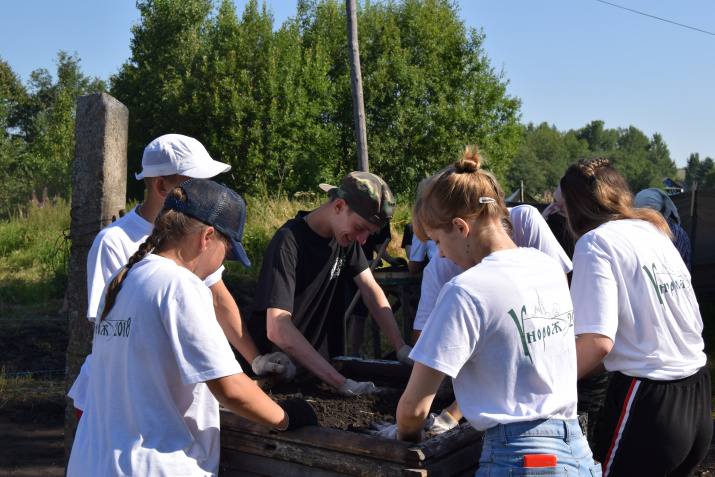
(315, 437)
(462, 461)
(357, 367)
(236, 464)
(463, 435)
(343, 463)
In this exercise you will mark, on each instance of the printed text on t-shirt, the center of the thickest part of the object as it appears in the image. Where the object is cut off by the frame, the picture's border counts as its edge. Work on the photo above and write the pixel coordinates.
(110, 328)
(552, 323)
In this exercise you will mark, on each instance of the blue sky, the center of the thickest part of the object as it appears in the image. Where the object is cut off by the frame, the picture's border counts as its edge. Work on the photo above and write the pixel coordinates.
(570, 61)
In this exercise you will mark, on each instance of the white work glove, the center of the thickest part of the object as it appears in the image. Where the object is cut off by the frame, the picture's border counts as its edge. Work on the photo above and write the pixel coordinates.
(437, 424)
(403, 355)
(353, 388)
(388, 430)
(385, 429)
(274, 363)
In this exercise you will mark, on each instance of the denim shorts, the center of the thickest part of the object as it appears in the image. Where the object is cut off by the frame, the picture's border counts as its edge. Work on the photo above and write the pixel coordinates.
(506, 444)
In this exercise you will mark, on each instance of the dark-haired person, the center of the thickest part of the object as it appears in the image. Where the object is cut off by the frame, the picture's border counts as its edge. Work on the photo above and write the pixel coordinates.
(656, 199)
(296, 309)
(161, 361)
(501, 330)
(636, 316)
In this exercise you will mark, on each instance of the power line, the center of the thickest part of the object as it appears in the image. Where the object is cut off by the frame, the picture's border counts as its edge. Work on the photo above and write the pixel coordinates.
(657, 18)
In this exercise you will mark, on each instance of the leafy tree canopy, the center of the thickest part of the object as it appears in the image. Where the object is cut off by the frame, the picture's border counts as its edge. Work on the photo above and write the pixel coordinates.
(277, 103)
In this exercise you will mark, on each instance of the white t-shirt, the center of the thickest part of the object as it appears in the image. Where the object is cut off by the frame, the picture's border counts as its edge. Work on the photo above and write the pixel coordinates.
(530, 230)
(422, 251)
(148, 411)
(631, 285)
(503, 330)
(111, 250)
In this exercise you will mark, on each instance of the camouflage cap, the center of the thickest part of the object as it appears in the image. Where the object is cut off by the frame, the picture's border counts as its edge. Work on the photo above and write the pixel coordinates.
(367, 195)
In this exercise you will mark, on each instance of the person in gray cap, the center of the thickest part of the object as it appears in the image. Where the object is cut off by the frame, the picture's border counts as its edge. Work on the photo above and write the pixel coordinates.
(657, 199)
(168, 161)
(308, 259)
(165, 366)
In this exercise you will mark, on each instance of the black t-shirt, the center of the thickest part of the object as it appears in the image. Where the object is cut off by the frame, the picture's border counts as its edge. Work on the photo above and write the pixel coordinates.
(300, 274)
(375, 240)
(407, 236)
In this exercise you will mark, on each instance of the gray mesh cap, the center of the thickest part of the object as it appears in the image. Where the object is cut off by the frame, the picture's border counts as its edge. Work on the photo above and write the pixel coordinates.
(218, 206)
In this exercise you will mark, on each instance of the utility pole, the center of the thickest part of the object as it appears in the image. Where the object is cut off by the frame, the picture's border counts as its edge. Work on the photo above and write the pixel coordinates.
(356, 82)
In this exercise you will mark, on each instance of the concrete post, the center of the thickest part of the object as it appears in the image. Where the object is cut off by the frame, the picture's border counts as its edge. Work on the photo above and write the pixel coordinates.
(99, 185)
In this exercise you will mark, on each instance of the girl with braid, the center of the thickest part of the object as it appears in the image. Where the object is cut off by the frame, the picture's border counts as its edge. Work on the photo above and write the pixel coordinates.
(637, 317)
(502, 330)
(161, 361)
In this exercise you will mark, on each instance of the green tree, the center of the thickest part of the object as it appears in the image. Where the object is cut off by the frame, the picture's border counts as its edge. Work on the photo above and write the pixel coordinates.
(40, 121)
(692, 168)
(12, 93)
(600, 141)
(277, 104)
(705, 174)
(152, 82)
(543, 157)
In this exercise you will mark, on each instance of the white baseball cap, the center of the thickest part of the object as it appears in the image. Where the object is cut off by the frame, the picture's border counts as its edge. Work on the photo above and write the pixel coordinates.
(177, 154)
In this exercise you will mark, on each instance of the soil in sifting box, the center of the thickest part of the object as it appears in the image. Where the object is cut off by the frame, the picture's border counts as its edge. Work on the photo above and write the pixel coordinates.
(348, 413)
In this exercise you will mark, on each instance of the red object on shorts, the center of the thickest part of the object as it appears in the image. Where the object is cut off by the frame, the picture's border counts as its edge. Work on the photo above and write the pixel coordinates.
(539, 460)
(79, 414)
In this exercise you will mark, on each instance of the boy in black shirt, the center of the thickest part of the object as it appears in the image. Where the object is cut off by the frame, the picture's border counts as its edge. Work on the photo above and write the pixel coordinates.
(306, 262)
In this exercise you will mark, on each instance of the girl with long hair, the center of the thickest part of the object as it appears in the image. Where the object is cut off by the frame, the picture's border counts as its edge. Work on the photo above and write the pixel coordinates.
(636, 316)
(161, 362)
(502, 330)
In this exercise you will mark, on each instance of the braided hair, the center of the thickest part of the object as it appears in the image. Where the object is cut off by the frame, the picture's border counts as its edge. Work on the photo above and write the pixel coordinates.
(170, 227)
(455, 191)
(595, 193)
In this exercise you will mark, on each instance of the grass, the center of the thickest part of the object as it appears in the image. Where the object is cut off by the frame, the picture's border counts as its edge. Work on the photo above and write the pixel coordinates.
(33, 257)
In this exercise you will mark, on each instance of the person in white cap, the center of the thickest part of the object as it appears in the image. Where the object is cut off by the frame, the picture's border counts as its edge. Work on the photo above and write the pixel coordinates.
(168, 161)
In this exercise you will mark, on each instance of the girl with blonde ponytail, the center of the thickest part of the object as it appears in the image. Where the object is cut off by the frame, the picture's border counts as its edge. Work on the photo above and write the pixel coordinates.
(501, 330)
(163, 362)
(637, 317)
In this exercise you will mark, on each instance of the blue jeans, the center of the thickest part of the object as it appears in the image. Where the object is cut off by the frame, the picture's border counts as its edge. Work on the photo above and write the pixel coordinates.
(506, 444)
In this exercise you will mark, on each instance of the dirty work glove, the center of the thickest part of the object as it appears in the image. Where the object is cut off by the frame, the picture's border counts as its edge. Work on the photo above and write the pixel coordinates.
(437, 424)
(300, 413)
(353, 388)
(274, 363)
(385, 429)
(403, 355)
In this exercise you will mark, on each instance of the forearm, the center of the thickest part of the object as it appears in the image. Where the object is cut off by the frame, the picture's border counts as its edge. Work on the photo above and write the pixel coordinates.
(415, 267)
(233, 326)
(591, 348)
(286, 336)
(454, 411)
(240, 395)
(414, 406)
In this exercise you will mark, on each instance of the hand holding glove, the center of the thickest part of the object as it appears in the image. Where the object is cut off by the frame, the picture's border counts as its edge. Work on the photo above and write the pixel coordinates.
(274, 363)
(403, 355)
(353, 388)
(437, 424)
(434, 425)
(385, 429)
(300, 413)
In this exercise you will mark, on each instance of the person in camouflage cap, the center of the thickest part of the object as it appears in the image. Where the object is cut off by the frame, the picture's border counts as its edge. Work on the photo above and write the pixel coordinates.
(367, 195)
(296, 308)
